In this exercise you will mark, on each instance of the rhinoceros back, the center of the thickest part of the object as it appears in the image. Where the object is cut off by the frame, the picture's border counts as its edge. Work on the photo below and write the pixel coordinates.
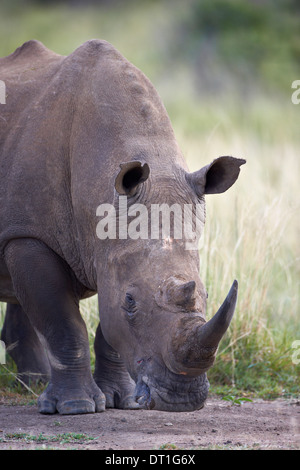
(67, 124)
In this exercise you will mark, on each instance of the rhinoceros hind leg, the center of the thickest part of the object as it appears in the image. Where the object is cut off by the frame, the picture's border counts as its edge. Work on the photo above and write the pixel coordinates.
(24, 346)
(48, 292)
(112, 376)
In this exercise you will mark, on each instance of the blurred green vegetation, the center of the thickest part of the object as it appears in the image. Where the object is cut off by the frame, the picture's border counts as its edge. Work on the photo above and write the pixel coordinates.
(225, 43)
(224, 69)
(255, 41)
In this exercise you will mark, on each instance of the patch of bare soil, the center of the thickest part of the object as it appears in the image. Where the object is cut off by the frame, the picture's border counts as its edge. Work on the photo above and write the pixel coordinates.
(256, 425)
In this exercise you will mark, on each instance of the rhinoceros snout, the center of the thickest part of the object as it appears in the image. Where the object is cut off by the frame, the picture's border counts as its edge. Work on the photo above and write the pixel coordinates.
(162, 390)
(193, 348)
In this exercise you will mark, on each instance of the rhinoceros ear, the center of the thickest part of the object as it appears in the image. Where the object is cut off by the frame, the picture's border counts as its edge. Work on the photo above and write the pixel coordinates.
(131, 175)
(216, 177)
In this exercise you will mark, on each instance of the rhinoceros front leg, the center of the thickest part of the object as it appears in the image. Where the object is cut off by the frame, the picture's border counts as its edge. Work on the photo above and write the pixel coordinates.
(24, 346)
(45, 288)
(112, 377)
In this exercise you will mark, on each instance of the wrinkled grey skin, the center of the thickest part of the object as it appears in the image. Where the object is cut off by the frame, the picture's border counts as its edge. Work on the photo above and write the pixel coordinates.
(24, 346)
(68, 125)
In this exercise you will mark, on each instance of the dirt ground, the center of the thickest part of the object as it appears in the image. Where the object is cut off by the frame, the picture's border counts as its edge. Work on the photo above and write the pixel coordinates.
(219, 425)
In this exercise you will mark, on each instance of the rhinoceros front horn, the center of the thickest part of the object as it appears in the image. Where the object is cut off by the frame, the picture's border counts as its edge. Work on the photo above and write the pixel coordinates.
(194, 346)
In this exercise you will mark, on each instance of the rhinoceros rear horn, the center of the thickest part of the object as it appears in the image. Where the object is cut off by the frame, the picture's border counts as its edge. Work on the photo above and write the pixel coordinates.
(216, 177)
(131, 175)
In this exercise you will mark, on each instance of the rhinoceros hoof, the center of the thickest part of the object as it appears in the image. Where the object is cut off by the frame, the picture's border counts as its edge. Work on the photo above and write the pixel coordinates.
(71, 407)
(113, 400)
(50, 402)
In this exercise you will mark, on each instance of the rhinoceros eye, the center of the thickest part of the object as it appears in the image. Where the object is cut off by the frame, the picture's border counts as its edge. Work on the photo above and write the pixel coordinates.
(129, 299)
(130, 305)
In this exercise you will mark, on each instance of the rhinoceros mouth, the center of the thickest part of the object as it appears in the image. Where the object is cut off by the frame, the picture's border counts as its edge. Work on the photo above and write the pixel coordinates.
(143, 394)
(171, 392)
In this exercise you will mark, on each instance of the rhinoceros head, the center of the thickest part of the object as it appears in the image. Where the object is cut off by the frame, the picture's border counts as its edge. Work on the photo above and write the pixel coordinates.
(154, 295)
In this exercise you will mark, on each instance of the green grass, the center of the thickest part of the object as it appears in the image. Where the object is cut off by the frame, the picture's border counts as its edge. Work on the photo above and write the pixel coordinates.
(243, 109)
(61, 438)
(45, 442)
